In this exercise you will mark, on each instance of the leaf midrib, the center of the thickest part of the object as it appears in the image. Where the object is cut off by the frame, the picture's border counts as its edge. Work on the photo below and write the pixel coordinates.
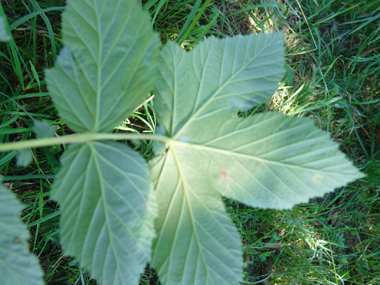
(252, 157)
(103, 200)
(182, 177)
(98, 89)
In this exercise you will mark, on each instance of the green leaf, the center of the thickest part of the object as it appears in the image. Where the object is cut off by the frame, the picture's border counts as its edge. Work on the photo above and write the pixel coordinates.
(270, 160)
(107, 209)
(159, 147)
(4, 34)
(24, 157)
(197, 242)
(267, 161)
(43, 129)
(108, 65)
(217, 76)
(17, 264)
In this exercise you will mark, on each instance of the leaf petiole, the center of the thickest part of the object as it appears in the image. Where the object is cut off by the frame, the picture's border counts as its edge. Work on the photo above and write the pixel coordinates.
(80, 138)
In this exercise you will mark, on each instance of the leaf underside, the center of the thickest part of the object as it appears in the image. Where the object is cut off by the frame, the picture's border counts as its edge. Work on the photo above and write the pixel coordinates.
(107, 67)
(267, 160)
(43, 129)
(108, 209)
(24, 157)
(17, 264)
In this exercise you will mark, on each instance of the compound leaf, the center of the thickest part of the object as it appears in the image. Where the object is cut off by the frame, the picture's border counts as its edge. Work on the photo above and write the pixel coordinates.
(107, 208)
(17, 264)
(267, 160)
(108, 65)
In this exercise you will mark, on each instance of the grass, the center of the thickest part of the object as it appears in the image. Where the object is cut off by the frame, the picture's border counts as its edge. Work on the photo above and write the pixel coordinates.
(333, 76)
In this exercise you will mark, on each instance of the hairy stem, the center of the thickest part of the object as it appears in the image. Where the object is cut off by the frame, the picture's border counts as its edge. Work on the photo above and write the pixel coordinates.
(79, 138)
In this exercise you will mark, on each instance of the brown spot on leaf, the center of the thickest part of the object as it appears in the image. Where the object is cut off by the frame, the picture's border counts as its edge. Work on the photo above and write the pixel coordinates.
(265, 144)
(224, 174)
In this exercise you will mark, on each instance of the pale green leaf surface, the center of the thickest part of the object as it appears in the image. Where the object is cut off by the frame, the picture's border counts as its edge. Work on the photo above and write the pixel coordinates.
(24, 157)
(108, 209)
(268, 160)
(219, 75)
(43, 129)
(17, 265)
(4, 35)
(159, 147)
(197, 242)
(108, 65)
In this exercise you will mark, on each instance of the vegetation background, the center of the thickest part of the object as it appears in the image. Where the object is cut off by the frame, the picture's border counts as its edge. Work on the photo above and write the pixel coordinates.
(332, 75)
